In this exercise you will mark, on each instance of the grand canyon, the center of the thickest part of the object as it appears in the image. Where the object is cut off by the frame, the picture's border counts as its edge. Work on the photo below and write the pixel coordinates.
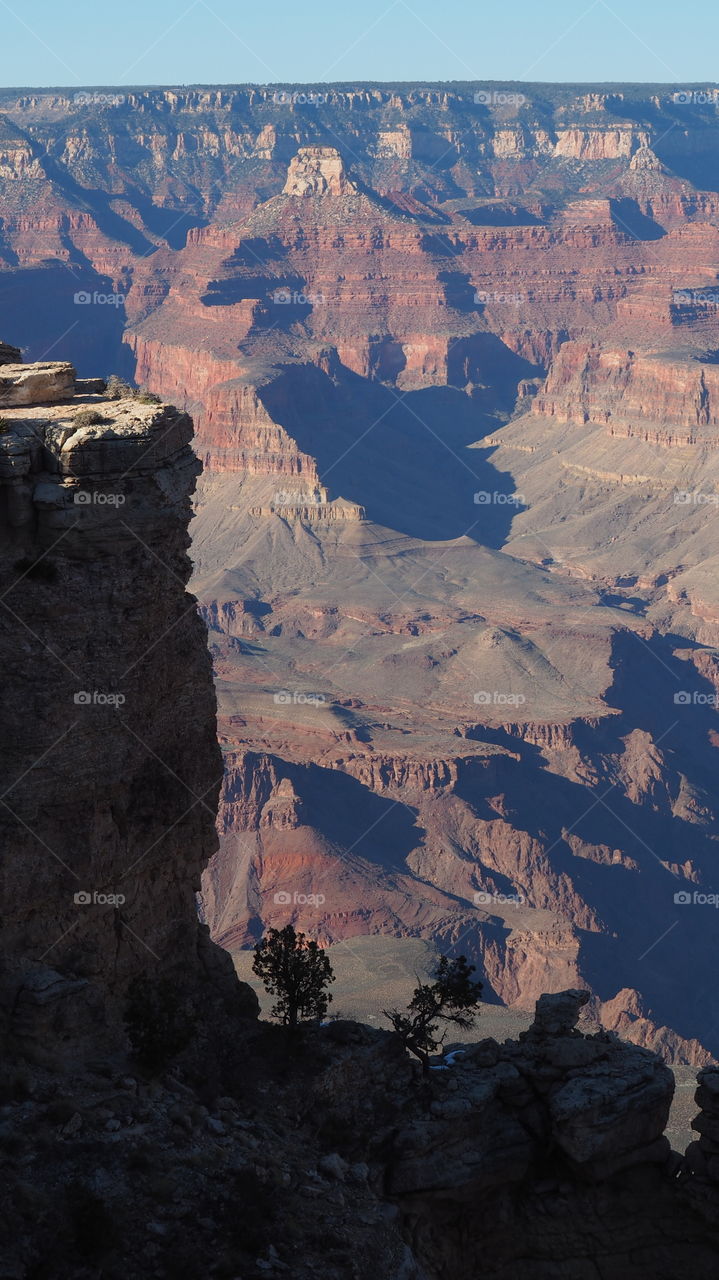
(449, 519)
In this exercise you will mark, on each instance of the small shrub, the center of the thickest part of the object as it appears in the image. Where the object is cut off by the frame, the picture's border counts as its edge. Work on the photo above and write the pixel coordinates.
(140, 1159)
(158, 1025)
(88, 418)
(5, 426)
(41, 570)
(252, 1228)
(93, 1228)
(118, 388)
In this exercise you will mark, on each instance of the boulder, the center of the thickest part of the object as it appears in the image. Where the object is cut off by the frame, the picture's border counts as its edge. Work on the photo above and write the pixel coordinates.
(557, 1015)
(47, 382)
(9, 355)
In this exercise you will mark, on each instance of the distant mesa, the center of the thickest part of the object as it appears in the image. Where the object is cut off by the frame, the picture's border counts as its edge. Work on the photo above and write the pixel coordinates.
(318, 171)
(645, 158)
(310, 505)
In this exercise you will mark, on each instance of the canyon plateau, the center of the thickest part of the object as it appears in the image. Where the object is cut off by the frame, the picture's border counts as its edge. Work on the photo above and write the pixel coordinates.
(450, 353)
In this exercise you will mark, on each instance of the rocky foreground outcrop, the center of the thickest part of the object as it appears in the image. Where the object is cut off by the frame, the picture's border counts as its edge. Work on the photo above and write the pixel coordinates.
(332, 1157)
(240, 1153)
(108, 758)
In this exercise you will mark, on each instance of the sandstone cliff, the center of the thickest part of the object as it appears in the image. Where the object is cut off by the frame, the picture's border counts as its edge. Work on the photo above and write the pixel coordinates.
(354, 290)
(110, 764)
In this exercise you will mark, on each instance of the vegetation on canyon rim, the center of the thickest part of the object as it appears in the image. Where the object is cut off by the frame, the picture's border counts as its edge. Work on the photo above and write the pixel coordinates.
(297, 971)
(117, 388)
(159, 1023)
(452, 999)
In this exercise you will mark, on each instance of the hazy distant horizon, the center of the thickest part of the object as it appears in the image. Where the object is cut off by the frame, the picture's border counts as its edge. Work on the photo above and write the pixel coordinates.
(217, 43)
(342, 85)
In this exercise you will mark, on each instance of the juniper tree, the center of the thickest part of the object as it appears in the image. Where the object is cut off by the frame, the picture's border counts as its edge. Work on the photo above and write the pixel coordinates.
(297, 971)
(451, 998)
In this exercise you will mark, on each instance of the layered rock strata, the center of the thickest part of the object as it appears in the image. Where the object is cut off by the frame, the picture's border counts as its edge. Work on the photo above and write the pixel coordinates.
(109, 758)
(353, 289)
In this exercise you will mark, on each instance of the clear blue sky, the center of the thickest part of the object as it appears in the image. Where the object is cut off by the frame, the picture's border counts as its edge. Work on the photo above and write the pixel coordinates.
(91, 42)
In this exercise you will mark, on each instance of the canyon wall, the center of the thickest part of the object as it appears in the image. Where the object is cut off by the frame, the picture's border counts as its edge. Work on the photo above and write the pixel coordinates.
(451, 356)
(110, 764)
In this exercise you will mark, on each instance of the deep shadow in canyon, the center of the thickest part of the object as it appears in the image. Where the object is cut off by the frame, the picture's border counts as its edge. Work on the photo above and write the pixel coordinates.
(404, 456)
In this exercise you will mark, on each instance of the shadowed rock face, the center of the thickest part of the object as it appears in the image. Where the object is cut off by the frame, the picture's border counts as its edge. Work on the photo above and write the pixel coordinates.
(703, 1155)
(8, 354)
(600, 1105)
(543, 1157)
(109, 758)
